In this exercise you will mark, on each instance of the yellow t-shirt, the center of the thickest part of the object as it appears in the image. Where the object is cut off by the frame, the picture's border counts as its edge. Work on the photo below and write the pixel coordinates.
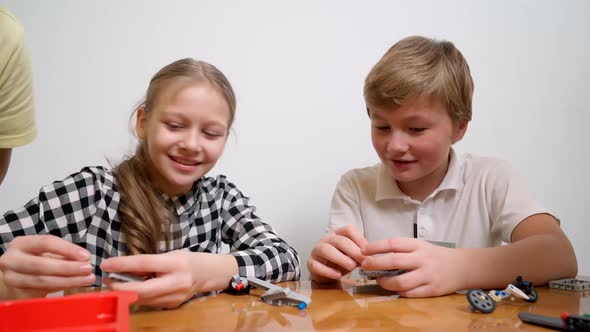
(17, 117)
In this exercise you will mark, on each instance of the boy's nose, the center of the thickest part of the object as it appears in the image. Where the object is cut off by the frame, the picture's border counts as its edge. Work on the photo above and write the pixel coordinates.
(398, 143)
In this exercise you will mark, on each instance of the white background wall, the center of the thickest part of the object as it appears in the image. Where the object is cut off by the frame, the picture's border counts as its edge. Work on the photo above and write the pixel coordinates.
(298, 69)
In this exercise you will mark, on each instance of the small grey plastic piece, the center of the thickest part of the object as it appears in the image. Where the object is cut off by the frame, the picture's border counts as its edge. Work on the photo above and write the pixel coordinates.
(571, 284)
(124, 277)
(372, 274)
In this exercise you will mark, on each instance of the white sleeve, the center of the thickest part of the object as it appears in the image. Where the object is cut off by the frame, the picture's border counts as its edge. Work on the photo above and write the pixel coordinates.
(345, 209)
(511, 200)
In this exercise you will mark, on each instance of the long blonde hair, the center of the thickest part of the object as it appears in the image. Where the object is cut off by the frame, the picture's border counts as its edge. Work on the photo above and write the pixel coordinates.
(418, 65)
(143, 211)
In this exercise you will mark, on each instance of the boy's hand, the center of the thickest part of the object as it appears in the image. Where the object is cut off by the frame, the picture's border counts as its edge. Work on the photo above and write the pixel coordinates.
(432, 270)
(336, 254)
(36, 265)
(179, 275)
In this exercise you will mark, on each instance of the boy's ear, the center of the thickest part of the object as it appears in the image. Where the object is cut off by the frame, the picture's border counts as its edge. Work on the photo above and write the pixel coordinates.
(460, 130)
(140, 123)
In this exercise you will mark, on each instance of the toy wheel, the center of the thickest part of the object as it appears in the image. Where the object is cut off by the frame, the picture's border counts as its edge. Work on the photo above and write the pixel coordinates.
(532, 296)
(481, 301)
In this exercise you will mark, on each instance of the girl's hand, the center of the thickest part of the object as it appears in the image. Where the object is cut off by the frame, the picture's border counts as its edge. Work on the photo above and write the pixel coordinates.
(432, 270)
(179, 275)
(36, 265)
(336, 254)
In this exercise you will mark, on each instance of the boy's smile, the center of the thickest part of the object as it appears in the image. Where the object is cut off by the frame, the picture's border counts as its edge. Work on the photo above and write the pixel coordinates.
(403, 164)
(413, 140)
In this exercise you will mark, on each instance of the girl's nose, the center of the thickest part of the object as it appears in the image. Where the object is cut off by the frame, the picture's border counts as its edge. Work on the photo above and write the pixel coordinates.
(191, 142)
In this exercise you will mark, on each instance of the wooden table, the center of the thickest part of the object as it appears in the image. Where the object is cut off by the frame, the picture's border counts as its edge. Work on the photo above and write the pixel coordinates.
(344, 306)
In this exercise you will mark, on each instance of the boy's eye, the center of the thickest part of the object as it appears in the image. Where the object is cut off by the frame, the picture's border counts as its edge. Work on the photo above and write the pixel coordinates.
(212, 133)
(417, 130)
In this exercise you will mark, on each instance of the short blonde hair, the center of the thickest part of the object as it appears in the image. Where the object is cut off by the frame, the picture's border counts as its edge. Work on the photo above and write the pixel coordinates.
(417, 65)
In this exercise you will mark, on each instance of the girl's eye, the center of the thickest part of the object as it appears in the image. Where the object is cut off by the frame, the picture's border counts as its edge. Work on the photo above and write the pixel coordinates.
(382, 128)
(173, 125)
(417, 130)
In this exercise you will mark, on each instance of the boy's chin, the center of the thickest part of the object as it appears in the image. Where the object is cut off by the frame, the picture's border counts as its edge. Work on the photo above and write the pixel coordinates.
(404, 177)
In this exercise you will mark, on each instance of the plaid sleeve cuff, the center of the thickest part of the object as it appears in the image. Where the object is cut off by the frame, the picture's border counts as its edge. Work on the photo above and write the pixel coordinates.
(277, 267)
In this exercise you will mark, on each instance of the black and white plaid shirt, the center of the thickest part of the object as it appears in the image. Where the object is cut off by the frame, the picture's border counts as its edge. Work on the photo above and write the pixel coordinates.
(83, 209)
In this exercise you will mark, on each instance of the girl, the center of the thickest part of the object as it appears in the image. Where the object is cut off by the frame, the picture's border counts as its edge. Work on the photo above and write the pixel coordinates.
(142, 216)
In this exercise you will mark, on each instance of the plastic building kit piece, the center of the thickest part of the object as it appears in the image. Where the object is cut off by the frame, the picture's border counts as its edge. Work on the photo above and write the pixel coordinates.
(564, 323)
(511, 290)
(573, 284)
(541, 320)
(274, 294)
(483, 302)
(444, 244)
(124, 277)
(100, 311)
(373, 274)
(527, 288)
(238, 286)
(577, 322)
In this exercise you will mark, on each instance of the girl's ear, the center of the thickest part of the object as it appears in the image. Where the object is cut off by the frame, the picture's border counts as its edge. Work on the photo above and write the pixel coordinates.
(459, 131)
(140, 123)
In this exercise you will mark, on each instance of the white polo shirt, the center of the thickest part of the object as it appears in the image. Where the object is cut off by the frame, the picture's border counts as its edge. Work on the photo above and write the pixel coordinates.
(478, 204)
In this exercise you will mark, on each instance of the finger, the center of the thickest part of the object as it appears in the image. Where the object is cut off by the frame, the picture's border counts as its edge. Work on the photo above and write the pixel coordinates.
(391, 261)
(391, 245)
(50, 283)
(347, 247)
(26, 264)
(140, 264)
(39, 244)
(155, 287)
(420, 291)
(329, 253)
(130, 286)
(50, 255)
(403, 282)
(352, 233)
(323, 270)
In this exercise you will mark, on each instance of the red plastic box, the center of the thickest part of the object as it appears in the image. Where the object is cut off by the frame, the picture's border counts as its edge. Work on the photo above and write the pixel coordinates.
(96, 312)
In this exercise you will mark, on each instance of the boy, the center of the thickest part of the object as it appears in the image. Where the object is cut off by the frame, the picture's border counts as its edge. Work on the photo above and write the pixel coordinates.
(418, 98)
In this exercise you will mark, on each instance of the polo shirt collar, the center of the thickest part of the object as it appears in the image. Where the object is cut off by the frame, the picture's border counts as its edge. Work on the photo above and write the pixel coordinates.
(387, 187)
(453, 180)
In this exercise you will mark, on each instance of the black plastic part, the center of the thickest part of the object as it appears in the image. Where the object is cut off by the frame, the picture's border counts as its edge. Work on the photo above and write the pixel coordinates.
(527, 287)
(546, 321)
(532, 296)
(232, 289)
